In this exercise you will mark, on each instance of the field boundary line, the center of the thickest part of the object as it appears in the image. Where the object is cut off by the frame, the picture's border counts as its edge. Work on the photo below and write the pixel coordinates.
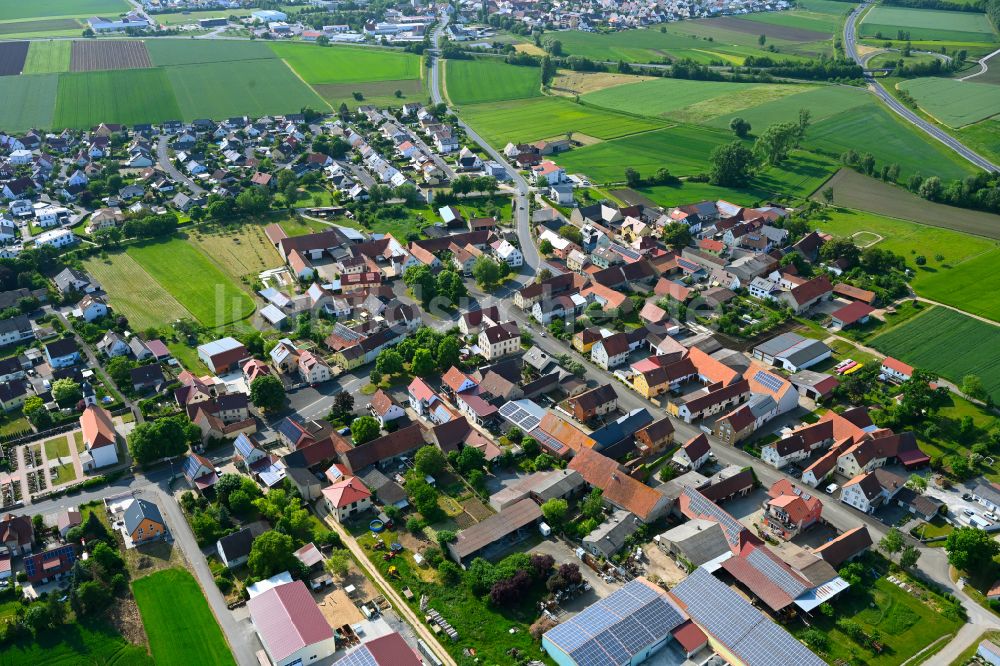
(304, 82)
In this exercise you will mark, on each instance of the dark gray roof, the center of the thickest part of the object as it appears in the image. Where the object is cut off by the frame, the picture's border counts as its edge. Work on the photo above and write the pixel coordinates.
(139, 509)
(237, 544)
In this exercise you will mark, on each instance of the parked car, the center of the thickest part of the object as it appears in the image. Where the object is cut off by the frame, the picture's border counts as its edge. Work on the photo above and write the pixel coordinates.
(991, 516)
(831, 489)
(967, 497)
(968, 512)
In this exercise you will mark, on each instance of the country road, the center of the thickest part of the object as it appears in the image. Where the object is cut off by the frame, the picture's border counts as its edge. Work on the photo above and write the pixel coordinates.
(850, 47)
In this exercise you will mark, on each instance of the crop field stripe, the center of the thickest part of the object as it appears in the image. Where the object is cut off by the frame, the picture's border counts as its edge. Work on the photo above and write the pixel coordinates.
(28, 101)
(48, 57)
(40, 9)
(179, 621)
(134, 292)
(194, 280)
(253, 88)
(788, 30)
(47, 25)
(89, 56)
(941, 340)
(345, 64)
(477, 81)
(954, 103)
(164, 52)
(927, 24)
(12, 56)
(117, 96)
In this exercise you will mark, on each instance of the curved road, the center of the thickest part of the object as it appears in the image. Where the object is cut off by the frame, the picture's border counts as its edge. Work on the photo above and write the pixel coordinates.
(850, 46)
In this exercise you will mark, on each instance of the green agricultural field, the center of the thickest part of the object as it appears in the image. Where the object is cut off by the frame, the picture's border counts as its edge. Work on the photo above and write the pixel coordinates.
(129, 96)
(45, 28)
(949, 343)
(970, 286)
(213, 298)
(376, 93)
(178, 620)
(983, 137)
(651, 45)
(954, 103)
(818, 15)
(929, 24)
(134, 292)
(822, 102)
(476, 81)
(163, 52)
(181, 18)
(28, 9)
(892, 58)
(28, 101)
(549, 117)
(83, 642)
(684, 99)
(254, 88)
(346, 64)
(48, 57)
(891, 140)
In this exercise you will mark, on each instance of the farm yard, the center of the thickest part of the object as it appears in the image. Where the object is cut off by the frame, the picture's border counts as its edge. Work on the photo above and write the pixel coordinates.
(116, 96)
(89, 56)
(939, 340)
(12, 55)
(49, 57)
(954, 103)
(477, 81)
(29, 101)
(549, 117)
(926, 24)
(178, 620)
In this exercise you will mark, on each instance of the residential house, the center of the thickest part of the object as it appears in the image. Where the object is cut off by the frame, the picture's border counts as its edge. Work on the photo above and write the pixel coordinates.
(17, 536)
(593, 403)
(347, 498)
(385, 408)
(143, 522)
(611, 351)
(868, 491)
(609, 537)
(290, 625)
(789, 510)
(15, 329)
(851, 544)
(62, 353)
(653, 439)
(100, 439)
(807, 294)
(91, 308)
(51, 565)
(895, 370)
(499, 340)
(693, 453)
(619, 489)
(147, 377)
(234, 549)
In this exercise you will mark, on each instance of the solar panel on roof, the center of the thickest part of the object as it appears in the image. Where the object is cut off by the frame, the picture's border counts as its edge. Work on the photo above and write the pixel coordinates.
(769, 381)
(508, 410)
(530, 423)
(776, 573)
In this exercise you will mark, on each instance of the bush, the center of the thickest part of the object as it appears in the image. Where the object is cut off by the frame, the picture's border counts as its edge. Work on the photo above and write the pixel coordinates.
(413, 524)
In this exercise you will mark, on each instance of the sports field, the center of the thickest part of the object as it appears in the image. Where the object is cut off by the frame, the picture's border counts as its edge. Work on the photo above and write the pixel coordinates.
(48, 57)
(133, 96)
(134, 292)
(476, 81)
(165, 52)
(178, 620)
(928, 24)
(683, 99)
(27, 9)
(949, 343)
(28, 101)
(954, 103)
(548, 117)
(197, 283)
(254, 88)
(877, 130)
(345, 64)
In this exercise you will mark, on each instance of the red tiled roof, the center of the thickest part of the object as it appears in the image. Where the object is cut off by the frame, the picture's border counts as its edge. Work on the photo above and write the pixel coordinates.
(347, 492)
(898, 366)
(853, 312)
(287, 619)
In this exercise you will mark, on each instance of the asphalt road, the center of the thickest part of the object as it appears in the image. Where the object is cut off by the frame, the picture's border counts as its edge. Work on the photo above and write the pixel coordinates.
(163, 159)
(850, 46)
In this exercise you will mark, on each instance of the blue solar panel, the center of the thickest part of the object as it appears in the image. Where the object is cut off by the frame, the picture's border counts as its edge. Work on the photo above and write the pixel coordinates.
(768, 381)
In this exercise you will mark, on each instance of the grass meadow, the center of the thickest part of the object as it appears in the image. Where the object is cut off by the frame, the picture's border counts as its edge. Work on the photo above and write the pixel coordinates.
(954, 103)
(822, 102)
(345, 64)
(949, 343)
(134, 292)
(28, 101)
(178, 620)
(131, 96)
(197, 283)
(477, 81)
(929, 24)
(819, 15)
(48, 57)
(30, 9)
(83, 642)
(254, 88)
(971, 285)
(241, 252)
(549, 117)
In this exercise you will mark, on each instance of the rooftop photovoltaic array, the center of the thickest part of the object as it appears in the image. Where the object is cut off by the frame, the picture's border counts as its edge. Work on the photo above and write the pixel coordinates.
(777, 574)
(69, 552)
(519, 416)
(612, 631)
(768, 381)
(545, 438)
(704, 507)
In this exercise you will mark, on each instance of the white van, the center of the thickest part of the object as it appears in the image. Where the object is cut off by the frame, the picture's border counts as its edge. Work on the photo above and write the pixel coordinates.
(832, 488)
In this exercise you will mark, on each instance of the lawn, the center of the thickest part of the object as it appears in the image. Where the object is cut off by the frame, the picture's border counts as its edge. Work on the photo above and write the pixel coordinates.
(254, 88)
(241, 253)
(11, 426)
(64, 474)
(84, 642)
(905, 623)
(685, 99)
(949, 343)
(48, 57)
(476, 81)
(78, 441)
(60, 8)
(927, 24)
(163, 52)
(197, 283)
(952, 102)
(130, 96)
(178, 620)
(549, 117)
(134, 292)
(346, 64)
(57, 447)
(877, 130)
(188, 358)
(300, 226)
(28, 101)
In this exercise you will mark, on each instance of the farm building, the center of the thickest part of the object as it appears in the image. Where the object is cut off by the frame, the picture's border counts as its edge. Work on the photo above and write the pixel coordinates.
(509, 526)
